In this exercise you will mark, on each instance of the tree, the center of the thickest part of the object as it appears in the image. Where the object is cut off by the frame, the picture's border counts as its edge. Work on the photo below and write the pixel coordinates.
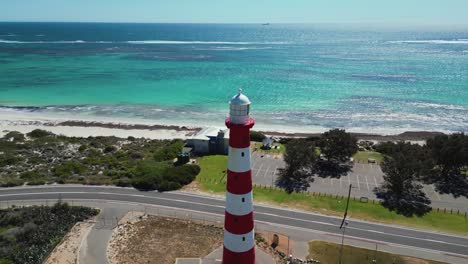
(399, 191)
(450, 155)
(300, 158)
(338, 145)
(257, 136)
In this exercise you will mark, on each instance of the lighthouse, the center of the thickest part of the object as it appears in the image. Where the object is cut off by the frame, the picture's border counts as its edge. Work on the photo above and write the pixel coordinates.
(239, 241)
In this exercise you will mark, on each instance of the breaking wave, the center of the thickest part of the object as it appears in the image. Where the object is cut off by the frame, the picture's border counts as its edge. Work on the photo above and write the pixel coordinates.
(434, 41)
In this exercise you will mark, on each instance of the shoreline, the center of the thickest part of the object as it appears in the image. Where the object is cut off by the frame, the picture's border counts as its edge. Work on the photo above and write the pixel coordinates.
(86, 128)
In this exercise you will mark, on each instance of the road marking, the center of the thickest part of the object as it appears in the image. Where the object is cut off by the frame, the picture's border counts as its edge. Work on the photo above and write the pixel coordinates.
(266, 171)
(341, 184)
(331, 181)
(195, 195)
(367, 183)
(349, 179)
(358, 184)
(256, 173)
(375, 181)
(268, 214)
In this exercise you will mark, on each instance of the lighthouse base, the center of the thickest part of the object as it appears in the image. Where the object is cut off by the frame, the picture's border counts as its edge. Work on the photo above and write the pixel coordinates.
(215, 257)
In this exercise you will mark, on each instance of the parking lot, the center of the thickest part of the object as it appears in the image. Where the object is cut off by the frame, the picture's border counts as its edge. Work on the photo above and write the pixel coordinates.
(363, 177)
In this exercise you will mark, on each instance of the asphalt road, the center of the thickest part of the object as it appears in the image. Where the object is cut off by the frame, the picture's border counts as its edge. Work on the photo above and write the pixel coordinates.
(445, 243)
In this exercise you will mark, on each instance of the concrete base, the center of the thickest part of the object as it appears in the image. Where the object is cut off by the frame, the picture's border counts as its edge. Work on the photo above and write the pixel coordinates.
(216, 257)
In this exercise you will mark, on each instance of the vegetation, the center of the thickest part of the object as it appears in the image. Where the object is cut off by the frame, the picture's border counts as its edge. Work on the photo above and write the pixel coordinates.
(338, 145)
(212, 178)
(364, 156)
(281, 149)
(257, 136)
(326, 252)
(29, 234)
(300, 161)
(43, 157)
(440, 162)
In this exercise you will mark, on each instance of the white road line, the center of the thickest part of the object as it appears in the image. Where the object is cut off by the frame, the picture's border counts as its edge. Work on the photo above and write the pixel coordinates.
(341, 184)
(331, 181)
(367, 183)
(256, 173)
(375, 181)
(358, 184)
(202, 196)
(266, 171)
(349, 179)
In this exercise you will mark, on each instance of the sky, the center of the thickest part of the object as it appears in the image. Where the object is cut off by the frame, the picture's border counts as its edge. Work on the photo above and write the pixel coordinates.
(430, 12)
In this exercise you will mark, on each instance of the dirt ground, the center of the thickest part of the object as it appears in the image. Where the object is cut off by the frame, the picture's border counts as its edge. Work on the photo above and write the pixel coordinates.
(67, 251)
(145, 239)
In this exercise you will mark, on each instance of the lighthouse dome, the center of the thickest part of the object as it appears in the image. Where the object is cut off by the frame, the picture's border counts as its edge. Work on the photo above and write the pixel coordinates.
(240, 99)
(239, 109)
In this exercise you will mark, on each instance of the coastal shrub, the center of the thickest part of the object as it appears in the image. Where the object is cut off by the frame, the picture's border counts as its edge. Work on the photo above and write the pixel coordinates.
(257, 136)
(82, 148)
(11, 183)
(109, 149)
(123, 182)
(8, 160)
(169, 152)
(31, 175)
(182, 175)
(33, 232)
(69, 168)
(17, 136)
(39, 133)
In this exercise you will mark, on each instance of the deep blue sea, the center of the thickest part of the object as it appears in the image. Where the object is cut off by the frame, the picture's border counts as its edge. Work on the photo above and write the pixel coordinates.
(298, 77)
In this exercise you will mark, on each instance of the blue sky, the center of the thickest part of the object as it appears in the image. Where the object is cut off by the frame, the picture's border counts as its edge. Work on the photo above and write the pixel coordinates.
(239, 11)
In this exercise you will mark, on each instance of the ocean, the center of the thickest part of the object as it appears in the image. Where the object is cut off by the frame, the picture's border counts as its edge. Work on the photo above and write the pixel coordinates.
(300, 78)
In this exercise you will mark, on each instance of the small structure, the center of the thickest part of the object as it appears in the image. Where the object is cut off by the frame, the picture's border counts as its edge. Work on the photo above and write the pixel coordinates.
(267, 143)
(210, 140)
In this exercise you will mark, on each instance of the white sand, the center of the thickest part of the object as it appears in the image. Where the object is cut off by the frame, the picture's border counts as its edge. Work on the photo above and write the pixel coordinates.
(26, 122)
(67, 251)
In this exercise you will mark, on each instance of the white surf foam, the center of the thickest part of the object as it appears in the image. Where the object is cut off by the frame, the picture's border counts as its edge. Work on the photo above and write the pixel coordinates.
(202, 42)
(433, 41)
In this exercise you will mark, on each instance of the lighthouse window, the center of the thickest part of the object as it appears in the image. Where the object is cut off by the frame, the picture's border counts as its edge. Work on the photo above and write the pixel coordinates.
(243, 200)
(243, 238)
(242, 154)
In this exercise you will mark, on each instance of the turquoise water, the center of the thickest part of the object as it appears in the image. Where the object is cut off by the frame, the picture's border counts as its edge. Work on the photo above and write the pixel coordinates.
(298, 77)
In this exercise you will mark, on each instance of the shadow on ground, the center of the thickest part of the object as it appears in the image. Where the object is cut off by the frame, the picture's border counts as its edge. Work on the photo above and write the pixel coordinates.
(330, 169)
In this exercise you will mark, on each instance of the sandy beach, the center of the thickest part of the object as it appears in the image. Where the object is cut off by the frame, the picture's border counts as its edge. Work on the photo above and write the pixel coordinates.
(25, 122)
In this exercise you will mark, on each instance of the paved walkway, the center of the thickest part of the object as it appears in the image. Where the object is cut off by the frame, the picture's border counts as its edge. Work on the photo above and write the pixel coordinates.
(216, 256)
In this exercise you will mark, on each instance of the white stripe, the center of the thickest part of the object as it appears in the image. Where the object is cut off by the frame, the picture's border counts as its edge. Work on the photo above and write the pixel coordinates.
(239, 243)
(236, 162)
(236, 206)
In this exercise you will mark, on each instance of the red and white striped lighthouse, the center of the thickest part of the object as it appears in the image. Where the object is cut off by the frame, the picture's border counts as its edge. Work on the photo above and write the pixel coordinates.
(239, 242)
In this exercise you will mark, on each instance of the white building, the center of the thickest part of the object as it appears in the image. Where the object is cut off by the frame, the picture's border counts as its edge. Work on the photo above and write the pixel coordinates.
(210, 140)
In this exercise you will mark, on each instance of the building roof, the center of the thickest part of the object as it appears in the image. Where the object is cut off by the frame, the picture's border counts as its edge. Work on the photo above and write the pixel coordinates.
(208, 132)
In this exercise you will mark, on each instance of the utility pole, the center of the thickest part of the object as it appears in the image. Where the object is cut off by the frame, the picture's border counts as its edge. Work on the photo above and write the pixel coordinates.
(344, 223)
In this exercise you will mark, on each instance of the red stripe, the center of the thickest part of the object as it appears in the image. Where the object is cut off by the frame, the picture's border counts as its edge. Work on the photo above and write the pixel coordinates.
(239, 134)
(238, 225)
(239, 182)
(230, 257)
(239, 137)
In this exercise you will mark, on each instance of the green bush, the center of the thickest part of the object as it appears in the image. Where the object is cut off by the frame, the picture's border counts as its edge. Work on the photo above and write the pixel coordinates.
(17, 136)
(8, 160)
(39, 133)
(69, 168)
(123, 182)
(31, 175)
(109, 149)
(169, 152)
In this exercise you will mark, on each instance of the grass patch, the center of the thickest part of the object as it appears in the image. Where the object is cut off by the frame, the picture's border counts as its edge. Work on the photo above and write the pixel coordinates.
(326, 252)
(363, 156)
(273, 151)
(213, 175)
